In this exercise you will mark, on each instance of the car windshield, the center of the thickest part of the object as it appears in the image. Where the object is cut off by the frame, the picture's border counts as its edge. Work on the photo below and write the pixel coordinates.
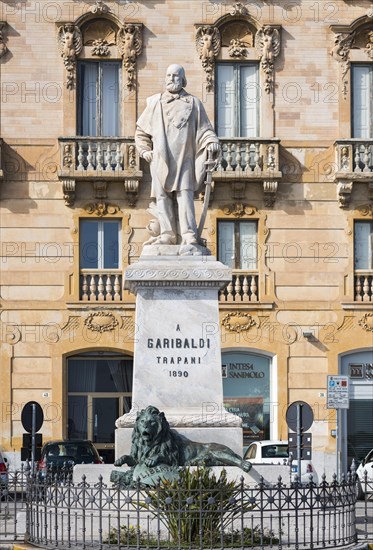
(275, 451)
(70, 449)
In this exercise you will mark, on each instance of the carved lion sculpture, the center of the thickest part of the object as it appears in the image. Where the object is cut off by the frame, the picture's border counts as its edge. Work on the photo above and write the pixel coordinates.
(153, 443)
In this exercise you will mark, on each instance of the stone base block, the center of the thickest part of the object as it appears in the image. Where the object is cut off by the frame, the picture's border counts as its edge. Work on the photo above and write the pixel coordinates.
(229, 436)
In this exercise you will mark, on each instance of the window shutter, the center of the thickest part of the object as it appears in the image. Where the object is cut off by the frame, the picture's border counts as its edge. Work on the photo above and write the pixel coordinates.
(362, 100)
(363, 245)
(111, 244)
(110, 99)
(249, 101)
(248, 245)
(226, 244)
(226, 99)
(88, 99)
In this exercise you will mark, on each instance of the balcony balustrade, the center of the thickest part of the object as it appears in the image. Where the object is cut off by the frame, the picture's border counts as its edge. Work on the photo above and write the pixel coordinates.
(363, 285)
(354, 163)
(243, 288)
(98, 285)
(100, 160)
(250, 159)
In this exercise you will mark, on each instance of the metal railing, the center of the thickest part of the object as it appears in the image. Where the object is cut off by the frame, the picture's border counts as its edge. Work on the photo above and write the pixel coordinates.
(62, 514)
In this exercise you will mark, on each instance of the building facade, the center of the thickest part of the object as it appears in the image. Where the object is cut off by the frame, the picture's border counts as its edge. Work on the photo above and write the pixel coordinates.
(289, 89)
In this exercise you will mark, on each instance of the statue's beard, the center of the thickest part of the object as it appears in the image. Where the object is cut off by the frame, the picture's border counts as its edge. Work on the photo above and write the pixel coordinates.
(173, 88)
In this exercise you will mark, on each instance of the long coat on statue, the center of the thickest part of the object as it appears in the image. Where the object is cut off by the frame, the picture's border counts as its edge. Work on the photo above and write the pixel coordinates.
(176, 128)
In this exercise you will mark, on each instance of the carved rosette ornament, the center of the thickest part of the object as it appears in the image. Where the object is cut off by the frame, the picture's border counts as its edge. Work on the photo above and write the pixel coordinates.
(267, 46)
(208, 44)
(70, 44)
(343, 43)
(366, 322)
(238, 322)
(129, 42)
(239, 209)
(99, 8)
(3, 48)
(101, 321)
(101, 208)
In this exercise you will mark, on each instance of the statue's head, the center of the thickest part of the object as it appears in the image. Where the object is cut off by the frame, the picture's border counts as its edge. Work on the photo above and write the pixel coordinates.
(175, 78)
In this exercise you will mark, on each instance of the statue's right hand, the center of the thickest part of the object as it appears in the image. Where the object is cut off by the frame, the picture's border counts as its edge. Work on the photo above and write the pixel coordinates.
(148, 156)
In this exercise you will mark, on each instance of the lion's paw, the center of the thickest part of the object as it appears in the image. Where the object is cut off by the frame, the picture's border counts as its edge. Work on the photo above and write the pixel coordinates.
(150, 462)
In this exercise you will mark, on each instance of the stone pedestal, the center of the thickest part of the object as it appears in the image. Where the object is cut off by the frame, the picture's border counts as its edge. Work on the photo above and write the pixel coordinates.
(177, 363)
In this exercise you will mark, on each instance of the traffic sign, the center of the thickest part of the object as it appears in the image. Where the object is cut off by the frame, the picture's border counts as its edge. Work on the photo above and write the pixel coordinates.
(26, 416)
(306, 416)
(338, 392)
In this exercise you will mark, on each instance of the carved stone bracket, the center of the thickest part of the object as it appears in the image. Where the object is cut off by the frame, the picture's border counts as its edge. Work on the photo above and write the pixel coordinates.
(68, 188)
(270, 192)
(267, 46)
(3, 48)
(343, 43)
(100, 189)
(208, 44)
(70, 44)
(131, 188)
(129, 42)
(344, 191)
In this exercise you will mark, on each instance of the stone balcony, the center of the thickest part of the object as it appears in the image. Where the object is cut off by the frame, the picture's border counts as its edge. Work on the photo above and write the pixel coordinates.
(246, 160)
(99, 161)
(242, 289)
(100, 285)
(354, 163)
(363, 285)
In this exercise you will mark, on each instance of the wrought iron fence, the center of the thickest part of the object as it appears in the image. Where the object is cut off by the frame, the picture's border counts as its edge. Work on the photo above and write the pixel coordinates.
(58, 513)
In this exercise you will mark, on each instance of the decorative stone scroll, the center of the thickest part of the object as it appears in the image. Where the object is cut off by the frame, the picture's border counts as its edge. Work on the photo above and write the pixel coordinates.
(68, 189)
(270, 192)
(343, 43)
(208, 44)
(267, 46)
(70, 44)
(366, 322)
(3, 48)
(101, 321)
(238, 322)
(101, 208)
(129, 42)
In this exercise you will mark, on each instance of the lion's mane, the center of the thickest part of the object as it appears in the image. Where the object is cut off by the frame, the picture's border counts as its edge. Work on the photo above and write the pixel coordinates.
(164, 442)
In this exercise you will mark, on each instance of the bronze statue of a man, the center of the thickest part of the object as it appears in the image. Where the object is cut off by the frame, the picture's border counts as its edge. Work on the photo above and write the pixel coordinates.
(174, 135)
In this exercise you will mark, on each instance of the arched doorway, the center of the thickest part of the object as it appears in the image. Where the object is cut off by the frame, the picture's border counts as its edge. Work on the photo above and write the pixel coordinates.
(99, 390)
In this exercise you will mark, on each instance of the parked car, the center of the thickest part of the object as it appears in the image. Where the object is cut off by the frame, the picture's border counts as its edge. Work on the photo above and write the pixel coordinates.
(59, 457)
(366, 465)
(3, 475)
(277, 452)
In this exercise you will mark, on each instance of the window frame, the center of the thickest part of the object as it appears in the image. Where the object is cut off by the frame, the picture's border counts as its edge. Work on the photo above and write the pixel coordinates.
(237, 80)
(370, 257)
(100, 242)
(352, 99)
(99, 95)
(236, 223)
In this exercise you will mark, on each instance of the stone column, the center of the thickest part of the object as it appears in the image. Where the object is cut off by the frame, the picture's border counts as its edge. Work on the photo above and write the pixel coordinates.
(177, 363)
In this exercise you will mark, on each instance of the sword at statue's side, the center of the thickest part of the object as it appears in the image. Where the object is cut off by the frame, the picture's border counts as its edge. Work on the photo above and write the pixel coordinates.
(210, 166)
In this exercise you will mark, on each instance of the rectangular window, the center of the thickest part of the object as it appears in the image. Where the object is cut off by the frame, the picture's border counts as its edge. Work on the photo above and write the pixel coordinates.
(363, 245)
(99, 98)
(99, 244)
(238, 244)
(237, 100)
(362, 101)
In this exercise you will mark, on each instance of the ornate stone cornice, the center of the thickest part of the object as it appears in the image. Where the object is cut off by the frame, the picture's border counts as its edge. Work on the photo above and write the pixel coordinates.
(208, 44)
(186, 271)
